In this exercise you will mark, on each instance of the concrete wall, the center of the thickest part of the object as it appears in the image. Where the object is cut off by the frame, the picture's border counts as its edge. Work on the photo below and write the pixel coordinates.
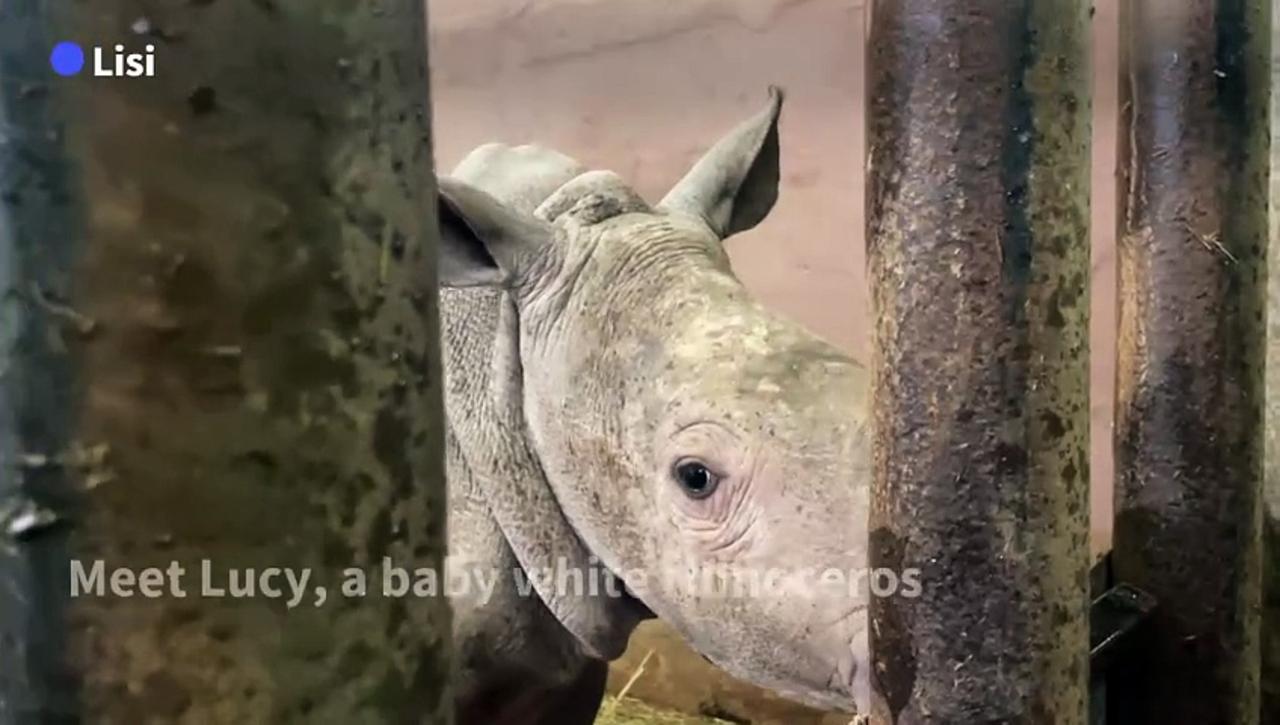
(644, 86)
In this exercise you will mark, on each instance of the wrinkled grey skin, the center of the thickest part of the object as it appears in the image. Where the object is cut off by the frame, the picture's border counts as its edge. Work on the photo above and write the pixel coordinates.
(596, 347)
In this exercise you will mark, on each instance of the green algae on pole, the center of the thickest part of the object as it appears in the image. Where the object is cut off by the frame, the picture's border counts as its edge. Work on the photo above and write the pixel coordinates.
(979, 259)
(1189, 408)
(219, 342)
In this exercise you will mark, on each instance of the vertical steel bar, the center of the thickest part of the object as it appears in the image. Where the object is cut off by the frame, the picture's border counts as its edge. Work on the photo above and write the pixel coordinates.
(1189, 430)
(218, 348)
(979, 255)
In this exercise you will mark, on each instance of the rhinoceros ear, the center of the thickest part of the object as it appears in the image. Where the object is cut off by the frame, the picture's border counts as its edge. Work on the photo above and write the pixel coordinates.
(482, 241)
(735, 184)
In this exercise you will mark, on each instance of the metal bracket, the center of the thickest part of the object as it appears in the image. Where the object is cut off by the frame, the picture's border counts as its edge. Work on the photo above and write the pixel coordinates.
(1115, 616)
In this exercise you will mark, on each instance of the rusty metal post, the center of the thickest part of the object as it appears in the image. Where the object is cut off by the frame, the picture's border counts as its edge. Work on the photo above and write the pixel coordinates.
(1189, 435)
(218, 347)
(979, 258)
(1271, 498)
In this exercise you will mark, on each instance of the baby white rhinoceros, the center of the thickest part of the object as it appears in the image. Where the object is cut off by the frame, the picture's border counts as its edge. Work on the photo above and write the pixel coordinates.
(630, 434)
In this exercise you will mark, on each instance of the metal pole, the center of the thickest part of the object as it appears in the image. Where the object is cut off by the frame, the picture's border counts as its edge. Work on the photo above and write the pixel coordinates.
(979, 259)
(1189, 433)
(1271, 513)
(218, 343)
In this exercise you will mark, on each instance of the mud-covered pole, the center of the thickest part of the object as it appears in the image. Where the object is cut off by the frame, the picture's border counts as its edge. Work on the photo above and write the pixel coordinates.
(1189, 408)
(218, 354)
(979, 254)
(1271, 512)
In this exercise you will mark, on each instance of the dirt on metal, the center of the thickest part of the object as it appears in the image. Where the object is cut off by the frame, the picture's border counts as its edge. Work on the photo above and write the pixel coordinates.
(978, 253)
(1189, 432)
(228, 290)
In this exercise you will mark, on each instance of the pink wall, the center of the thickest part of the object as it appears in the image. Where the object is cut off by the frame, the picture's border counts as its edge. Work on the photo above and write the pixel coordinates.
(644, 86)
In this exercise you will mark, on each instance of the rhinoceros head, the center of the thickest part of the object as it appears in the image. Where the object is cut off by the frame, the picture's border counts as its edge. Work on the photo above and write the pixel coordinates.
(712, 454)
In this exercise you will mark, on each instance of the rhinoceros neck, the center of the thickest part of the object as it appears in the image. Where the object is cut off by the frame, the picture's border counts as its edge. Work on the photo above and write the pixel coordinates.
(483, 394)
(469, 331)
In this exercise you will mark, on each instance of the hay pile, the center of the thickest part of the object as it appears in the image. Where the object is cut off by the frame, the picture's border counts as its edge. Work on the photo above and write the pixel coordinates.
(629, 711)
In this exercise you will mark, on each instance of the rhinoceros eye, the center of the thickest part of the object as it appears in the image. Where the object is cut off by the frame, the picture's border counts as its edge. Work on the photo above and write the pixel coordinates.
(695, 479)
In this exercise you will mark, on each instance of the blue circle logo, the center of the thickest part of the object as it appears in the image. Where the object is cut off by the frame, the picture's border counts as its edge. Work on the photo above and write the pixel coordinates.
(67, 58)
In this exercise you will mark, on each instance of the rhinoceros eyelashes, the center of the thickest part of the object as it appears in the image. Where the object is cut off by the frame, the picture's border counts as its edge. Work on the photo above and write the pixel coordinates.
(695, 479)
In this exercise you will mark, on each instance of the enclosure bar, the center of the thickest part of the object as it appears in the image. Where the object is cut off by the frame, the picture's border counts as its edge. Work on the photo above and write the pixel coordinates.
(1189, 436)
(979, 258)
(218, 342)
(1271, 513)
